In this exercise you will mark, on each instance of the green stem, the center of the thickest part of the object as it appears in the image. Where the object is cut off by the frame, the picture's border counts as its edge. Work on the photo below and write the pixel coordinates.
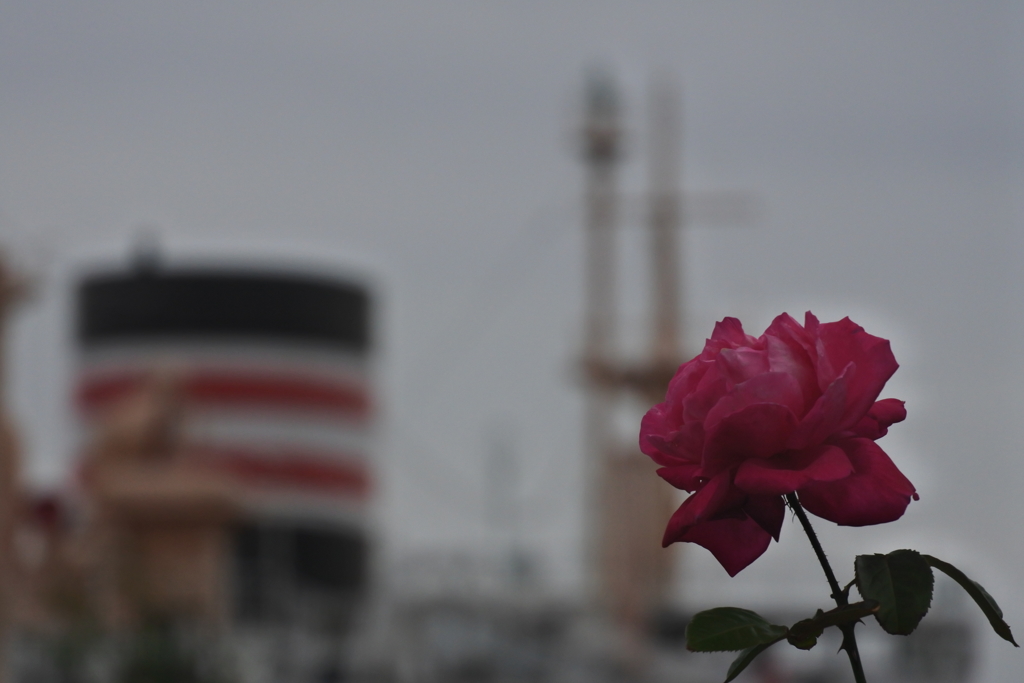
(838, 594)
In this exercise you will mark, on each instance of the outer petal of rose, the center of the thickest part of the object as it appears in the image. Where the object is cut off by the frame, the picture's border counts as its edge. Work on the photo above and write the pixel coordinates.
(811, 324)
(757, 431)
(844, 342)
(683, 383)
(668, 443)
(734, 541)
(876, 492)
(682, 477)
(768, 388)
(709, 390)
(730, 331)
(715, 497)
(787, 472)
(880, 417)
(824, 417)
(768, 511)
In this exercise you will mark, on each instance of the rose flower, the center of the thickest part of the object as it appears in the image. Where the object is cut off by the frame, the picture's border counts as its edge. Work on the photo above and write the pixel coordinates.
(751, 420)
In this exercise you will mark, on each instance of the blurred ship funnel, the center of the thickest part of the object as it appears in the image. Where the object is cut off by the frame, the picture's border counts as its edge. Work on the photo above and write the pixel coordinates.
(270, 375)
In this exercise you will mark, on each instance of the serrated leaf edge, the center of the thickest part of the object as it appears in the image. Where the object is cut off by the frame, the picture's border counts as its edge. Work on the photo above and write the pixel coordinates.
(892, 585)
(780, 636)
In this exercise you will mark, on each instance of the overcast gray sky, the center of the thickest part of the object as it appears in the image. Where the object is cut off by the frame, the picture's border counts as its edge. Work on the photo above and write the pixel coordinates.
(433, 141)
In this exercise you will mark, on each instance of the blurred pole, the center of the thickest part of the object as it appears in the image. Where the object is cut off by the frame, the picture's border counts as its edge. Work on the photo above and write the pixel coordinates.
(602, 152)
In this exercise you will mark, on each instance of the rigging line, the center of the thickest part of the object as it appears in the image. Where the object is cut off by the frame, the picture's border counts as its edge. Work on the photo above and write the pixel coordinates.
(434, 471)
(543, 228)
(526, 255)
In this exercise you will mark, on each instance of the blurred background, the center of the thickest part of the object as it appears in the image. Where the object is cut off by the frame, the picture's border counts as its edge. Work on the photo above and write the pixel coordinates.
(329, 326)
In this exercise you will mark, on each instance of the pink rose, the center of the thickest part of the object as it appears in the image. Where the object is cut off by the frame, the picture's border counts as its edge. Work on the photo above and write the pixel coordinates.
(750, 420)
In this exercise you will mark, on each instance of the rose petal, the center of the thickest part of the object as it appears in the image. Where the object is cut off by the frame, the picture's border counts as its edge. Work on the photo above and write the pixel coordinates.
(715, 497)
(789, 330)
(811, 324)
(667, 446)
(768, 511)
(757, 431)
(790, 358)
(683, 477)
(792, 470)
(739, 365)
(730, 331)
(735, 541)
(683, 383)
(709, 391)
(876, 492)
(844, 342)
(822, 420)
(880, 417)
(770, 387)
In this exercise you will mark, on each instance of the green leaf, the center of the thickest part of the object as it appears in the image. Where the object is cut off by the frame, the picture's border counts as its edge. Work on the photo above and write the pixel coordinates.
(985, 601)
(730, 629)
(902, 584)
(745, 658)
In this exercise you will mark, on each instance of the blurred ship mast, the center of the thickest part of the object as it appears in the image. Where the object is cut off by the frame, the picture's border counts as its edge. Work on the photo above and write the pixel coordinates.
(627, 506)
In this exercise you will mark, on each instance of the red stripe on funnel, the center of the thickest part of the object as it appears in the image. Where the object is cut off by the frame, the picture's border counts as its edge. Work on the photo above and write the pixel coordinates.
(288, 470)
(249, 388)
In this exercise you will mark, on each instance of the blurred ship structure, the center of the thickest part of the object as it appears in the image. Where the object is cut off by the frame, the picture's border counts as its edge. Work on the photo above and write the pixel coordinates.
(218, 521)
(217, 525)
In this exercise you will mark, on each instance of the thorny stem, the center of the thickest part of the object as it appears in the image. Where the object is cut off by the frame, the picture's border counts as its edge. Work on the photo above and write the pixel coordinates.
(838, 594)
